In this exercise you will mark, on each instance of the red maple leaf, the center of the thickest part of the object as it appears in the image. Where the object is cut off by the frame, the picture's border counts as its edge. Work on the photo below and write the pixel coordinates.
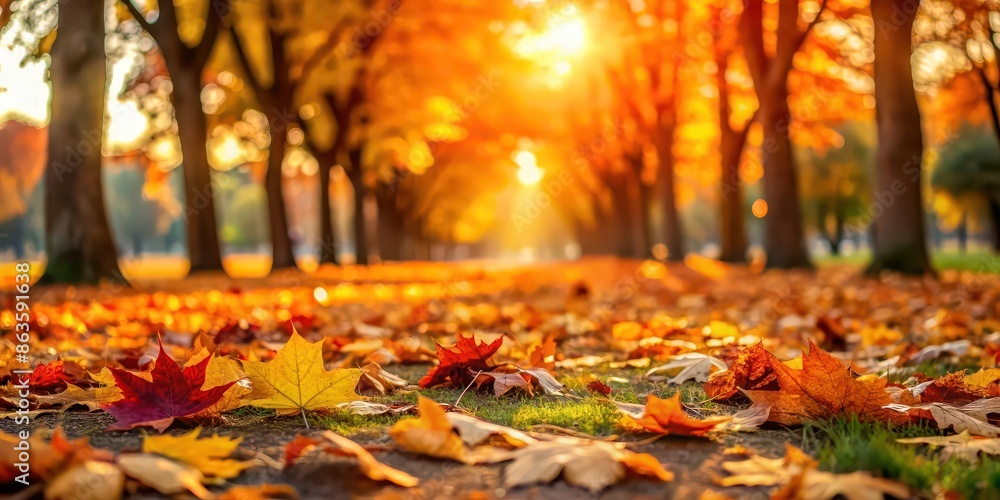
(53, 376)
(171, 393)
(460, 363)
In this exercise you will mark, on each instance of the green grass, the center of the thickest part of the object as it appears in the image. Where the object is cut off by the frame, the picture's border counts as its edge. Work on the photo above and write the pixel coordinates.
(581, 412)
(976, 261)
(847, 445)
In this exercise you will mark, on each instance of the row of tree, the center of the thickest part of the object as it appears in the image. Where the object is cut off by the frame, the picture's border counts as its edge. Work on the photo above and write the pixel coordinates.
(397, 93)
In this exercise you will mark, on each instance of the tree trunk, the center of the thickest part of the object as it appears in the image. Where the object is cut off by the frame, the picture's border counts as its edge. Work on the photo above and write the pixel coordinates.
(278, 106)
(733, 223)
(994, 203)
(625, 218)
(733, 237)
(390, 225)
(673, 231)
(78, 239)
(784, 241)
(281, 241)
(360, 220)
(839, 223)
(962, 233)
(328, 246)
(647, 202)
(203, 236)
(901, 244)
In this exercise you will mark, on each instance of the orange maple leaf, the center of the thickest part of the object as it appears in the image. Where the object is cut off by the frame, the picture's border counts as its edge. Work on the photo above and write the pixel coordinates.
(666, 416)
(460, 363)
(823, 388)
(953, 388)
(753, 369)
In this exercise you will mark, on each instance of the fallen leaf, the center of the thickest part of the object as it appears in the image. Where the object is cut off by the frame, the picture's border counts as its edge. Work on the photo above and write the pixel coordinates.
(961, 446)
(746, 420)
(666, 416)
(170, 393)
(46, 459)
(798, 478)
(378, 380)
(753, 369)
(210, 455)
(474, 431)
(505, 382)
(544, 355)
(598, 387)
(823, 388)
(369, 408)
(91, 480)
(430, 434)
(593, 465)
(331, 442)
(260, 492)
(296, 380)
(460, 363)
(546, 381)
(695, 366)
(163, 475)
(223, 370)
(971, 417)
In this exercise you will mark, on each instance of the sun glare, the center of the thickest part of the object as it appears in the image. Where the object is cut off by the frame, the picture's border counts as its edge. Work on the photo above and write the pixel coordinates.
(528, 172)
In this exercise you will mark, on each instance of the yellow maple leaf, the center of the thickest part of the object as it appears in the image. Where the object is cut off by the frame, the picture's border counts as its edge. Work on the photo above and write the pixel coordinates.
(295, 380)
(222, 370)
(210, 455)
(430, 434)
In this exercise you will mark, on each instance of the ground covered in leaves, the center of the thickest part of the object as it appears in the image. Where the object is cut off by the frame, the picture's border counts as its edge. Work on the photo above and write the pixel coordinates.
(601, 377)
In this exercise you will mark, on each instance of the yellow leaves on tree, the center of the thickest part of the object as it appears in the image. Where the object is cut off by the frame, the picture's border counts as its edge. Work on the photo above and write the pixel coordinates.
(296, 380)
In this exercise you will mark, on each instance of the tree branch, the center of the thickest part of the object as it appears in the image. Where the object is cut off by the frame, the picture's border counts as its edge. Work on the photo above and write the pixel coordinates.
(752, 33)
(786, 54)
(241, 54)
(217, 10)
(139, 18)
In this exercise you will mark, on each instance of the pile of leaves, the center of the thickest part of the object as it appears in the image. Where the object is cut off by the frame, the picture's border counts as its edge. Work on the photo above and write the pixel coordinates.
(772, 349)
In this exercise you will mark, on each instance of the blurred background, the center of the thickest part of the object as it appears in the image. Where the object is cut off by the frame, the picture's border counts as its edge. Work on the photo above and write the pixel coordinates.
(359, 131)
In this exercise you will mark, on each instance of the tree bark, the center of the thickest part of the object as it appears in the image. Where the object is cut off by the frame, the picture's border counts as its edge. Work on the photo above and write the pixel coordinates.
(784, 240)
(622, 195)
(360, 220)
(962, 233)
(203, 236)
(279, 107)
(733, 237)
(994, 204)
(185, 65)
(328, 246)
(390, 225)
(673, 230)
(78, 238)
(901, 244)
